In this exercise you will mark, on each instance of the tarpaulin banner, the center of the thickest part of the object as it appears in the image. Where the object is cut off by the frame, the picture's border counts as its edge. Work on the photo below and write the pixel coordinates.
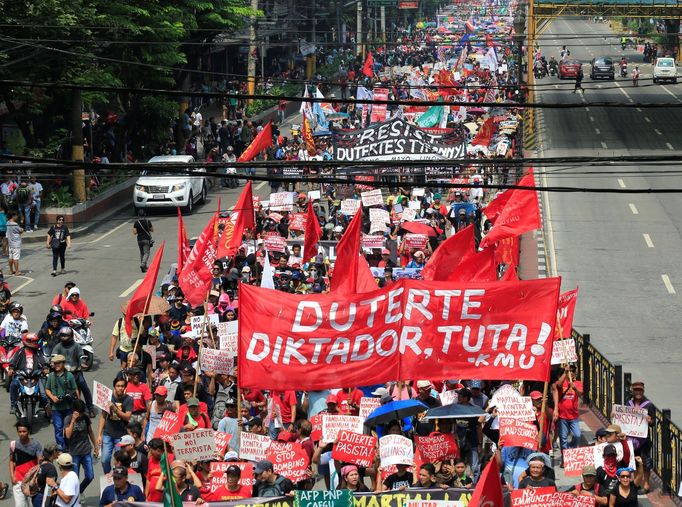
(494, 330)
(338, 498)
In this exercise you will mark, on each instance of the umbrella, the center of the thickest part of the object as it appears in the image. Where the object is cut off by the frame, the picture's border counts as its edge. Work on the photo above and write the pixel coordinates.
(157, 306)
(395, 410)
(454, 411)
(417, 228)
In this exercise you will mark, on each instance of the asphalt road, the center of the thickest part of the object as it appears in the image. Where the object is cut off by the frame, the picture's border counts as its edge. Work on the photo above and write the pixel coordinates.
(621, 249)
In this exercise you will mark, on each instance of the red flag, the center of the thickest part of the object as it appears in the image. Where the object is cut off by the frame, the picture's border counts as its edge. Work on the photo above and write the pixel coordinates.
(485, 134)
(493, 210)
(261, 141)
(476, 267)
(449, 254)
(196, 276)
(509, 274)
(183, 244)
(307, 135)
(345, 276)
(488, 491)
(312, 233)
(564, 314)
(365, 281)
(241, 218)
(521, 214)
(140, 300)
(368, 69)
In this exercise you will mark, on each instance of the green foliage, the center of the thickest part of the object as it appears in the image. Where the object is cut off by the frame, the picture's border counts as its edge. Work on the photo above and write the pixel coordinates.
(60, 198)
(260, 105)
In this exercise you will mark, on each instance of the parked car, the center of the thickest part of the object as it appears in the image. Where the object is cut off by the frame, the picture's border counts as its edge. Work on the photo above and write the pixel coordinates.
(665, 70)
(602, 67)
(568, 68)
(169, 189)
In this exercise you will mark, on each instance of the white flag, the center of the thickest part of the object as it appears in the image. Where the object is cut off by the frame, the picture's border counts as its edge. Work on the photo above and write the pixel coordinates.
(267, 280)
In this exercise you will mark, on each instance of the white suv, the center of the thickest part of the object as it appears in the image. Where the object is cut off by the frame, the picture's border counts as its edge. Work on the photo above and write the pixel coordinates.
(665, 70)
(161, 190)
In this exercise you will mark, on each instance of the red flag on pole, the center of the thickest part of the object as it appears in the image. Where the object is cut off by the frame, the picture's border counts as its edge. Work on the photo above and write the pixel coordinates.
(140, 300)
(307, 134)
(260, 142)
(312, 234)
(241, 218)
(488, 491)
(476, 267)
(196, 276)
(183, 244)
(449, 255)
(345, 276)
(564, 314)
(493, 210)
(365, 281)
(368, 69)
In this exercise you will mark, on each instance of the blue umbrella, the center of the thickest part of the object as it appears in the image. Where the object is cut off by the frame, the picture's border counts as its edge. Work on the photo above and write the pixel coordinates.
(395, 410)
(454, 411)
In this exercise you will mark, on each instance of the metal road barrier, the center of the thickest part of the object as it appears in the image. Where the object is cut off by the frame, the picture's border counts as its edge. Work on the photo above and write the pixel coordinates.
(606, 384)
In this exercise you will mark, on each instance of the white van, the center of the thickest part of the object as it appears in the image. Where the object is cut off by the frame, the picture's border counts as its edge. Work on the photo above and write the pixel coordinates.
(169, 190)
(665, 70)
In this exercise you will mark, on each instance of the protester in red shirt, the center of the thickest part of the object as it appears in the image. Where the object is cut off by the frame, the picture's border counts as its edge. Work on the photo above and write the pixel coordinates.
(232, 490)
(198, 420)
(349, 401)
(154, 470)
(74, 307)
(566, 392)
(139, 392)
(284, 411)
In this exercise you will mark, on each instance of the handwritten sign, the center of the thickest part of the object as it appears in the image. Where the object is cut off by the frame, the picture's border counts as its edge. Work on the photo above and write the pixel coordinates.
(533, 497)
(516, 433)
(168, 425)
(316, 423)
(408, 215)
(577, 458)
(448, 397)
(379, 215)
(221, 441)
(599, 454)
(417, 241)
(350, 206)
(297, 222)
(282, 201)
(217, 361)
(194, 445)
(632, 420)
(289, 459)
(253, 447)
(563, 352)
(219, 479)
(368, 405)
(198, 323)
(314, 195)
(437, 447)
(275, 243)
(570, 500)
(372, 241)
(372, 198)
(332, 424)
(395, 450)
(101, 396)
(510, 403)
(228, 334)
(354, 448)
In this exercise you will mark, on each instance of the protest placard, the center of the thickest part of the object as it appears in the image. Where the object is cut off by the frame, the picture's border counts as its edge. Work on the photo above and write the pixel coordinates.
(517, 433)
(316, 423)
(219, 479)
(297, 222)
(563, 352)
(277, 218)
(332, 424)
(372, 198)
(217, 361)
(322, 498)
(379, 215)
(417, 241)
(599, 454)
(437, 447)
(448, 397)
(372, 241)
(108, 480)
(564, 499)
(221, 441)
(375, 227)
(228, 334)
(350, 206)
(101, 396)
(368, 405)
(434, 503)
(168, 425)
(194, 445)
(252, 447)
(198, 323)
(395, 450)
(575, 459)
(289, 459)
(282, 201)
(275, 244)
(151, 350)
(533, 497)
(510, 403)
(314, 195)
(414, 205)
(632, 420)
(354, 448)
(408, 215)
(418, 192)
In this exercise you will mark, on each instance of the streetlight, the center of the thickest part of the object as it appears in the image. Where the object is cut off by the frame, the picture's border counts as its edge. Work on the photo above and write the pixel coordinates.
(519, 35)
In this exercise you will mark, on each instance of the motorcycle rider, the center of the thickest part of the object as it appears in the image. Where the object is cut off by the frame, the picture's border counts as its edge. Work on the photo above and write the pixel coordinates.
(553, 66)
(15, 323)
(5, 296)
(28, 359)
(73, 353)
(623, 67)
(49, 331)
(60, 298)
(61, 389)
(229, 158)
(74, 307)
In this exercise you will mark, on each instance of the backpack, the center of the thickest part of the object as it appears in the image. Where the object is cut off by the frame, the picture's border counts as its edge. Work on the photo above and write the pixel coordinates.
(29, 484)
(23, 195)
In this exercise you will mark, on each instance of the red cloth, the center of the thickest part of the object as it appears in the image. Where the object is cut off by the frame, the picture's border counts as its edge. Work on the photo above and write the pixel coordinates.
(449, 255)
(312, 233)
(222, 494)
(241, 218)
(262, 141)
(569, 400)
(153, 473)
(140, 300)
(196, 276)
(489, 488)
(344, 399)
(183, 243)
(347, 253)
(365, 281)
(368, 68)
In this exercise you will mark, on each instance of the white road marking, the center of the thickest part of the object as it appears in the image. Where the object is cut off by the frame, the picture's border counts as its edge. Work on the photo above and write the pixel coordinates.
(130, 289)
(668, 284)
(670, 146)
(633, 208)
(671, 94)
(621, 183)
(110, 232)
(647, 119)
(658, 132)
(597, 131)
(603, 145)
(28, 280)
(592, 118)
(624, 92)
(647, 240)
(587, 109)
(639, 110)
(261, 185)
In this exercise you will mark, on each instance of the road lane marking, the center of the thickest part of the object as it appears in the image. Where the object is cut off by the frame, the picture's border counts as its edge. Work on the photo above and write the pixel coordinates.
(587, 109)
(668, 284)
(647, 119)
(621, 183)
(670, 146)
(624, 92)
(671, 94)
(658, 132)
(28, 280)
(597, 131)
(603, 145)
(647, 240)
(261, 185)
(639, 109)
(130, 289)
(110, 232)
(633, 208)
(592, 118)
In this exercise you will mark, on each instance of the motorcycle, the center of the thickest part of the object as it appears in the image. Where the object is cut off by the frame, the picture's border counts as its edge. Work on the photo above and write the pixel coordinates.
(28, 403)
(9, 345)
(553, 69)
(83, 337)
(624, 70)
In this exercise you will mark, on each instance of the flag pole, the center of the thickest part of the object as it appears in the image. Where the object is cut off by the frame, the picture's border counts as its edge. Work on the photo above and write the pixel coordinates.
(141, 322)
(201, 343)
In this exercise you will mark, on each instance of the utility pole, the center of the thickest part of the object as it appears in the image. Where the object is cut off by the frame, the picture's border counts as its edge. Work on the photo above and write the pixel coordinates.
(251, 62)
(358, 32)
(77, 154)
(383, 23)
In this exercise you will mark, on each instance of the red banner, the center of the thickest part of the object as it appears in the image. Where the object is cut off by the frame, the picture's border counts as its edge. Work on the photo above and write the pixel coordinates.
(516, 433)
(565, 311)
(197, 274)
(354, 448)
(437, 447)
(289, 459)
(452, 330)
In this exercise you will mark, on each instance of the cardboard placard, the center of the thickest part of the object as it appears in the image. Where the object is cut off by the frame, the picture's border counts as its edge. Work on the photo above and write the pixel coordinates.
(219, 479)
(372, 198)
(517, 433)
(599, 454)
(333, 424)
(228, 333)
(510, 403)
(577, 458)
(275, 244)
(101, 396)
(395, 450)
(217, 361)
(368, 405)
(417, 241)
(194, 445)
(282, 201)
(221, 441)
(354, 448)
(379, 215)
(253, 447)
(316, 422)
(314, 195)
(375, 227)
(570, 500)
(632, 420)
(197, 323)
(533, 497)
(437, 447)
(297, 222)
(350, 206)
(414, 205)
(448, 397)
(372, 241)
(563, 352)
(418, 192)
(289, 459)
(408, 215)
(168, 426)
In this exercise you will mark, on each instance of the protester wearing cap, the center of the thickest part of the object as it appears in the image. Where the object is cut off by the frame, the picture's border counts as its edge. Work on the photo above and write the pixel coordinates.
(222, 388)
(155, 451)
(270, 484)
(418, 260)
(121, 490)
(138, 460)
(232, 490)
(139, 392)
(68, 491)
(61, 389)
(386, 261)
(589, 486)
(566, 392)
(607, 474)
(600, 436)
(614, 434)
(478, 397)
(157, 408)
(113, 426)
(642, 446)
(230, 423)
(351, 480)
(194, 418)
(424, 395)
(545, 420)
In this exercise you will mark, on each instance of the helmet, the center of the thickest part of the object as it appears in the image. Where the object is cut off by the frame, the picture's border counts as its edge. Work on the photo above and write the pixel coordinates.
(30, 340)
(16, 306)
(66, 331)
(54, 316)
(56, 309)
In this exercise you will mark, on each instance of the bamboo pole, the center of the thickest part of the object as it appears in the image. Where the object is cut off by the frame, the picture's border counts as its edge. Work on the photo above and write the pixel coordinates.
(141, 324)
